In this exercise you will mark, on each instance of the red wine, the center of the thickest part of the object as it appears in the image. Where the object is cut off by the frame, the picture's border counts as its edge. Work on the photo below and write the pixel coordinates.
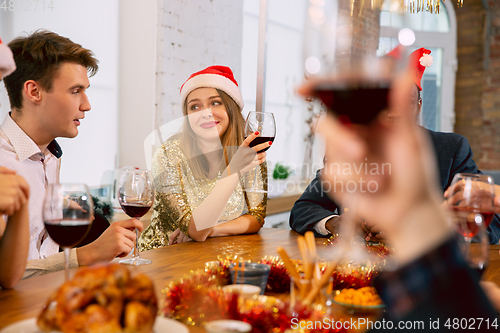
(358, 103)
(135, 210)
(261, 139)
(67, 233)
(466, 220)
(488, 217)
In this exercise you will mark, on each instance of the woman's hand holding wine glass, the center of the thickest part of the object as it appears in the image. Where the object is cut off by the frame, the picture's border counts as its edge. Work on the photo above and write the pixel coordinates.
(248, 157)
(260, 131)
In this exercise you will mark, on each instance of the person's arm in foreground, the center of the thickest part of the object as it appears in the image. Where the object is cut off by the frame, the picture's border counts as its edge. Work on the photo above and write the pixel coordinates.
(14, 236)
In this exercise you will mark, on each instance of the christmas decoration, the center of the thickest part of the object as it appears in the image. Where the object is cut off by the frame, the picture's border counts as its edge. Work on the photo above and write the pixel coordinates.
(203, 287)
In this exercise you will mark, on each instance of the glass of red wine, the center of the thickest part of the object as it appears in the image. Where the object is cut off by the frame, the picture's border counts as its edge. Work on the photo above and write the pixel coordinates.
(68, 212)
(476, 253)
(470, 199)
(136, 196)
(264, 123)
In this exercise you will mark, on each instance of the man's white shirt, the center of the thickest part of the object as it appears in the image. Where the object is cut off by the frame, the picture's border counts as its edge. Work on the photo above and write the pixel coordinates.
(20, 153)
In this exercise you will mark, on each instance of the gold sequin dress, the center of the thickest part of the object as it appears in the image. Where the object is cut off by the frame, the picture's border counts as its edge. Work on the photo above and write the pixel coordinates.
(178, 192)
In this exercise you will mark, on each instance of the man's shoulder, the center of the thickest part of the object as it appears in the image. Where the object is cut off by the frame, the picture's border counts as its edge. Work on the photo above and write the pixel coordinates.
(446, 135)
(446, 140)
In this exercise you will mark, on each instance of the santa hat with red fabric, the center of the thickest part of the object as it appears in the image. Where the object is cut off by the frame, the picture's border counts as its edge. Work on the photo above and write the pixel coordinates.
(7, 63)
(218, 77)
(418, 60)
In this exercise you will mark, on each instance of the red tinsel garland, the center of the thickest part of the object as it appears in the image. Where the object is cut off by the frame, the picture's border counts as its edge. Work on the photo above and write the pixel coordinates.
(357, 276)
(202, 287)
(279, 279)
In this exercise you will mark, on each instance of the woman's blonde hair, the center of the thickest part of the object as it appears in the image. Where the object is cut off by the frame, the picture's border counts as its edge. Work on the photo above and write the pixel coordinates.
(230, 140)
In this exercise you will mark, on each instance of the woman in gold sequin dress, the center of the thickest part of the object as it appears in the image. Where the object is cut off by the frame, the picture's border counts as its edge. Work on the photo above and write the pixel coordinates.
(202, 172)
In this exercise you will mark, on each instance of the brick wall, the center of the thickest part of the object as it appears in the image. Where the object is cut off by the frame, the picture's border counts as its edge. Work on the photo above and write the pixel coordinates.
(366, 29)
(364, 24)
(477, 98)
(193, 35)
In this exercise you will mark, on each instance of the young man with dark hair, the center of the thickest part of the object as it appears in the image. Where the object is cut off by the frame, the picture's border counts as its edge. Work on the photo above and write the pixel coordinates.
(48, 100)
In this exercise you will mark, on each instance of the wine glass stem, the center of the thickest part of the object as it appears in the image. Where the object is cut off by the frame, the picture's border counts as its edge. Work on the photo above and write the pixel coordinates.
(136, 245)
(66, 263)
(467, 248)
(255, 186)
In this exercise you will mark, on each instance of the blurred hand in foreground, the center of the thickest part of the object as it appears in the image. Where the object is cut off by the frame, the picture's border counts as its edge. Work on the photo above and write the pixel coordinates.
(403, 201)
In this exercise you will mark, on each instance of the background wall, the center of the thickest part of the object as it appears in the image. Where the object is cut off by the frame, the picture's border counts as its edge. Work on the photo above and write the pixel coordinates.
(284, 72)
(147, 51)
(477, 98)
(191, 36)
(195, 34)
(94, 25)
(137, 80)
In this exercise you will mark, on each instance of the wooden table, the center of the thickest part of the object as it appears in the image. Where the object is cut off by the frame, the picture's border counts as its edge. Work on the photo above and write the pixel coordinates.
(171, 263)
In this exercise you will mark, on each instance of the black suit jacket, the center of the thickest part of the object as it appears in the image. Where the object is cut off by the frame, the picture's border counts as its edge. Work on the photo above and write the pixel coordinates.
(453, 155)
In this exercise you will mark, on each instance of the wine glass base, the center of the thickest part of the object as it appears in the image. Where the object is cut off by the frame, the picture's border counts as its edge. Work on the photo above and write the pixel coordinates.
(135, 261)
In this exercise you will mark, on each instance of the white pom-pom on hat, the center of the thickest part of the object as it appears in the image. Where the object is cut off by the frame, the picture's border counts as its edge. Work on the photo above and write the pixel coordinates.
(426, 60)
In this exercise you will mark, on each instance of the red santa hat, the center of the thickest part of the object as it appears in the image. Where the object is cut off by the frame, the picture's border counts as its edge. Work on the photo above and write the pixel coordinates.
(396, 53)
(418, 60)
(7, 63)
(219, 77)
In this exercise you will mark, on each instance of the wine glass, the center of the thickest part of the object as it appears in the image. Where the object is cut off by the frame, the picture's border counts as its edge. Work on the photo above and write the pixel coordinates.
(475, 253)
(264, 123)
(136, 196)
(68, 212)
(470, 199)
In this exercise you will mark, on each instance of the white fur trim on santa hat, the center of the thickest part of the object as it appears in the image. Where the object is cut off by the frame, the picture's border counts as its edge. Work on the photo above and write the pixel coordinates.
(426, 60)
(7, 63)
(212, 81)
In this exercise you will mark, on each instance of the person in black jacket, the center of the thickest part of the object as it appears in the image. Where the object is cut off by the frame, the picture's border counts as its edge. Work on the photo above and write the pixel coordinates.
(315, 211)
